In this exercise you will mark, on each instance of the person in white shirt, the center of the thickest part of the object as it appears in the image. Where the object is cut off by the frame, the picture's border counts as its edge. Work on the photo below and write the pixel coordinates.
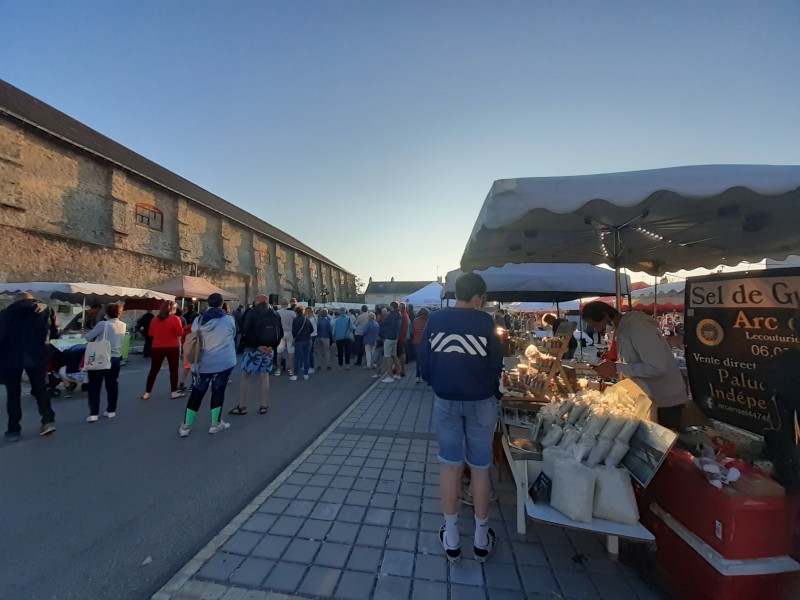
(309, 313)
(113, 330)
(361, 323)
(287, 316)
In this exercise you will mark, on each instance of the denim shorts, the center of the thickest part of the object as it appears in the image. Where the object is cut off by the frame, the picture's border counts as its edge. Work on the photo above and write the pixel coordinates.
(466, 427)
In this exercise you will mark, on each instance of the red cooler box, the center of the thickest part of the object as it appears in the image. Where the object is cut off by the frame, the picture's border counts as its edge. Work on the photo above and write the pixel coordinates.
(695, 571)
(751, 518)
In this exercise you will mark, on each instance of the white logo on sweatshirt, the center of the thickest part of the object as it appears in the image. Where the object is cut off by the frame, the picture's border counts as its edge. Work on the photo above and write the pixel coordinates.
(463, 344)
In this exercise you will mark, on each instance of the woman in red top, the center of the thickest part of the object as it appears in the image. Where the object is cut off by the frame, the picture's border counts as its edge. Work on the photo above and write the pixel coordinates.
(417, 329)
(166, 330)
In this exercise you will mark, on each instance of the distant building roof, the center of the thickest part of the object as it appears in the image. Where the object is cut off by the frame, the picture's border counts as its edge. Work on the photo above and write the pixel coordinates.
(399, 288)
(35, 113)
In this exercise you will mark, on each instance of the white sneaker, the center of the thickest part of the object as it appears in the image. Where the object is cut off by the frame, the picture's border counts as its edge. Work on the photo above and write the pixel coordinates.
(305, 377)
(388, 380)
(311, 371)
(184, 430)
(291, 373)
(109, 415)
(217, 427)
(293, 378)
(92, 418)
(397, 377)
(375, 376)
(277, 373)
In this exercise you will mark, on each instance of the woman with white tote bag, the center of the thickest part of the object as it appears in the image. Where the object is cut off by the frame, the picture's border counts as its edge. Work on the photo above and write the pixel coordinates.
(113, 331)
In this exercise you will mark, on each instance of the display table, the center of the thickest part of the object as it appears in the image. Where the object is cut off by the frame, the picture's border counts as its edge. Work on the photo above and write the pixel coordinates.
(544, 513)
(519, 471)
(520, 463)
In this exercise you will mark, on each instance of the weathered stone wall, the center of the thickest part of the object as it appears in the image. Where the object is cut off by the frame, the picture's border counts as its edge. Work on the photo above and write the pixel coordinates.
(31, 256)
(67, 215)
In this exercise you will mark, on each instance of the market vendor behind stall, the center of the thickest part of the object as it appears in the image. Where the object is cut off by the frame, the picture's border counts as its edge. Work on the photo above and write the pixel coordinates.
(643, 356)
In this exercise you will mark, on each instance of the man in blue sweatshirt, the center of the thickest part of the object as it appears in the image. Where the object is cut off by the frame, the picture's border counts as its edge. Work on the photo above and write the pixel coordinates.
(390, 333)
(461, 357)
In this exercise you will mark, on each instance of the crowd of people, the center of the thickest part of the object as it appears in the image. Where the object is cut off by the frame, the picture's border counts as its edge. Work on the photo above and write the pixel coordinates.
(289, 339)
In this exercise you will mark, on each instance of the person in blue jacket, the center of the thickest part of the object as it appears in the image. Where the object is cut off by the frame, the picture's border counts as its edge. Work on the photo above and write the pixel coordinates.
(342, 328)
(322, 345)
(390, 333)
(461, 357)
(371, 331)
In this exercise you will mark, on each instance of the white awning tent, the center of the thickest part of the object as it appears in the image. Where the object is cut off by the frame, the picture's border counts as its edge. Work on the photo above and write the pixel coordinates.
(80, 293)
(544, 306)
(653, 221)
(430, 295)
(541, 282)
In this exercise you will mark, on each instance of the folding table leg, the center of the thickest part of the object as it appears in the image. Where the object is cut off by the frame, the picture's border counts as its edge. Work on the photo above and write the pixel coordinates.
(612, 544)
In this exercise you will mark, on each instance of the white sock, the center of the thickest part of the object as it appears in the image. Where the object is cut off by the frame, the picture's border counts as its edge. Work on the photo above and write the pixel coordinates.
(481, 532)
(451, 531)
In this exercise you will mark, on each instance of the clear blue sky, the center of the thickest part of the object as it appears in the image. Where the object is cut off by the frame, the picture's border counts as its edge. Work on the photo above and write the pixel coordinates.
(373, 130)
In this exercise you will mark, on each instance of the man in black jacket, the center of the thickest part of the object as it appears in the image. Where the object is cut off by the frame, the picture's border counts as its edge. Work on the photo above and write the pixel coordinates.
(143, 325)
(261, 334)
(25, 330)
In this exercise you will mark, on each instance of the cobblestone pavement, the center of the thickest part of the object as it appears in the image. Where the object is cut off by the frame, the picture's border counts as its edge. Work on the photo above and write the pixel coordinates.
(357, 516)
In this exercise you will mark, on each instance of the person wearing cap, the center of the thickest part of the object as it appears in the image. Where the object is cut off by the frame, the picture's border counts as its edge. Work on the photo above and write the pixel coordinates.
(25, 329)
(217, 331)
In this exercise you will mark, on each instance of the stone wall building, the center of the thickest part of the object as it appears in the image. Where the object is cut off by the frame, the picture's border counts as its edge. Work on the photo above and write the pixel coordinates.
(77, 206)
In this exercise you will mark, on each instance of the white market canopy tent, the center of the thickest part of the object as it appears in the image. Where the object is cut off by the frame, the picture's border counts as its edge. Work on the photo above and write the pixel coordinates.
(78, 293)
(541, 282)
(430, 295)
(654, 221)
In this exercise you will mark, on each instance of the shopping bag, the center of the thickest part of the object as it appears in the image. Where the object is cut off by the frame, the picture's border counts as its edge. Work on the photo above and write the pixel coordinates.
(98, 354)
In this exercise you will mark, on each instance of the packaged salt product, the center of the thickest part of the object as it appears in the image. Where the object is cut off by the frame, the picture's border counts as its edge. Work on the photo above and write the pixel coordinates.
(552, 437)
(569, 438)
(594, 424)
(581, 448)
(550, 456)
(565, 407)
(577, 411)
(573, 490)
(613, 425)
(617, 453)
(613, 496)
(628, 429)
(600, 451)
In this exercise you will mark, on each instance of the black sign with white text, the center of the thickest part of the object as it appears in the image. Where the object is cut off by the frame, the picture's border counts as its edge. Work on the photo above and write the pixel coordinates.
(735, 324)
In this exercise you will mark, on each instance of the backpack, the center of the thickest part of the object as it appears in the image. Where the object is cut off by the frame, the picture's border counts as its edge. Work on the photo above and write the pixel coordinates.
(271, 328)
(193, 346)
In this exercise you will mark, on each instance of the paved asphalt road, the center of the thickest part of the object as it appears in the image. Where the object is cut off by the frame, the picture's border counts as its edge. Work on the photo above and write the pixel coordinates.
(83, 509)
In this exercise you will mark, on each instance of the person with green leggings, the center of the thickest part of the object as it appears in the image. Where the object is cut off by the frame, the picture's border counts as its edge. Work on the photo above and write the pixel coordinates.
(217, 331)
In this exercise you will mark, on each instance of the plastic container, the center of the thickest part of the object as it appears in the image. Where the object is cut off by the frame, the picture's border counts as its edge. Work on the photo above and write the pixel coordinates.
(749, 519)
(695, 571)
